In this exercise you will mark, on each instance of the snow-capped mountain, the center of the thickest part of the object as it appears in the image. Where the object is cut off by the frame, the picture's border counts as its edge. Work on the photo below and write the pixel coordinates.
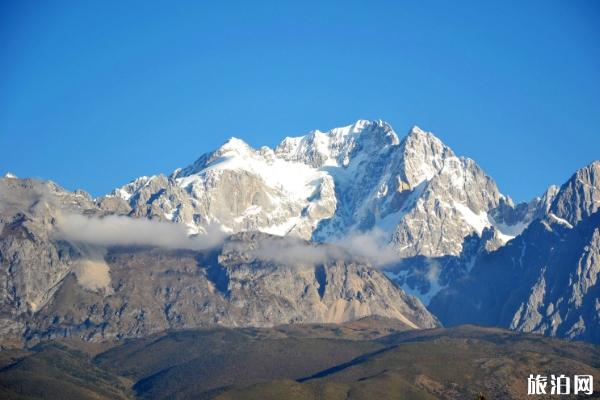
(238, 188)
(435, 222)
(412, 193)
(325, 185)
(59, 285)
(547, 280)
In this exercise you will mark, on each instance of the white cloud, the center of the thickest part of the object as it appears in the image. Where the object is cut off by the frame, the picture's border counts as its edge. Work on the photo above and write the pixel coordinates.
(372, 245)
(115, 230)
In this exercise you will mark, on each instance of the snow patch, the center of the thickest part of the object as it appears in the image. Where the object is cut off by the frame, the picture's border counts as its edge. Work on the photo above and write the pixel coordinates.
(296, 179)
(560, 220)
(476, 221)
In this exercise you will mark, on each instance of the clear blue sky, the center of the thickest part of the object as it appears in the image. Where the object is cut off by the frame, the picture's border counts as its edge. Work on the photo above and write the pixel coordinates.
(94, 94)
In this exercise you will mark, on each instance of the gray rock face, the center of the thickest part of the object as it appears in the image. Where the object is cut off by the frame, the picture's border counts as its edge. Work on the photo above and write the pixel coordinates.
(456, 241)
(520, 215)
(547, 279)
(424, 276)
(155, 289)
(325, 185)
(579, 197)
(31, 268)
(414, 194)
(415, 189)
(44, 294)
(239, 188)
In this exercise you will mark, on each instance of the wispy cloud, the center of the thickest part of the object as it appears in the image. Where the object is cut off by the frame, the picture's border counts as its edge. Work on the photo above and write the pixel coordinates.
(372, 245)
(115, 230)
(92, 235)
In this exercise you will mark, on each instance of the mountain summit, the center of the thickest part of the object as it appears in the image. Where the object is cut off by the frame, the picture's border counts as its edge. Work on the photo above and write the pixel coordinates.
(327, 185)
(546, 279)
(147, 257)
(411, 196)
(72, 268)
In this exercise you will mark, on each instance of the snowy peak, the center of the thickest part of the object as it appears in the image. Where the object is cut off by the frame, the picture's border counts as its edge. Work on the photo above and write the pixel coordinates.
(549, 196)
(546, 279)
(423, 155)
(411, 197)
(336, 147)
(416, 134)
(234, 146)
(231, 148)
(326, 185)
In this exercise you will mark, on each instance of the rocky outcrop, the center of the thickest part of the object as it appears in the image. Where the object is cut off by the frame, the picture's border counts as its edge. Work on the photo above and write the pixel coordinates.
(413, 194)
(452, 235)
(326, 185)
(59, 286)
(579, 197)
(31, 264)
(547, 280)
(155, 289)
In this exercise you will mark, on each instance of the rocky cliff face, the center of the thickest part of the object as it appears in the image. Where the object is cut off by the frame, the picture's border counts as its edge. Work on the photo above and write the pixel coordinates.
(239, 188)
(547, 279)
(54, 286)
(32, 266)
(413, 194)
(153, 290)
(326, 185)
(442, 228)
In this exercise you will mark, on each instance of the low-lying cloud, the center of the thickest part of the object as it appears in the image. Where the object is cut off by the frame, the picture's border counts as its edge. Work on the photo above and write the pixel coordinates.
(372, 245)
(294, 251)
(116, 230)
(92, 235)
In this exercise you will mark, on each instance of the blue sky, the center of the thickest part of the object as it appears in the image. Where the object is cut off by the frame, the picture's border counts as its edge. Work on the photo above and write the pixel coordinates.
(94, 94)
